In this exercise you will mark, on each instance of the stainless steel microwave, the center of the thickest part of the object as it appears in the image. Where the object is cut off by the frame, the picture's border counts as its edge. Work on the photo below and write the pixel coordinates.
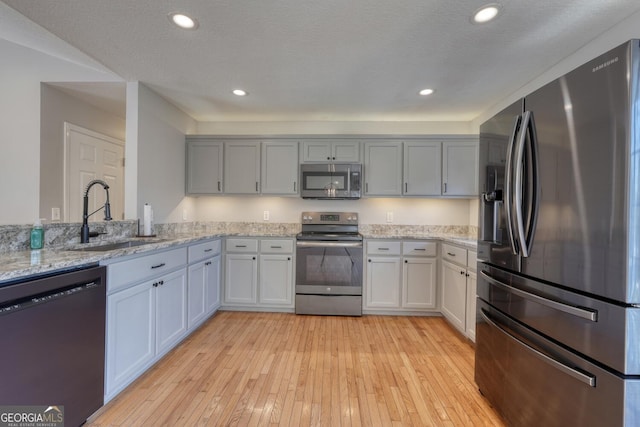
(330, 181)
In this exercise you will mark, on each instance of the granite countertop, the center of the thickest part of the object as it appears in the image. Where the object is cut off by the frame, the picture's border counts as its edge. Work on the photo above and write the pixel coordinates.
(23, 264)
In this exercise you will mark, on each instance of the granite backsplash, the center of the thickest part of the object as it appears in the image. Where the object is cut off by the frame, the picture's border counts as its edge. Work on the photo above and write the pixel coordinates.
(58, 235)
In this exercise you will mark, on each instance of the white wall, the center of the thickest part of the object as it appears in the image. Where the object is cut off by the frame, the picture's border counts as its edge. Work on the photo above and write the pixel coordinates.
(157, 169)
(329, 128)
(371, 211)
(57, 108)
(21, 73)
(624, 31)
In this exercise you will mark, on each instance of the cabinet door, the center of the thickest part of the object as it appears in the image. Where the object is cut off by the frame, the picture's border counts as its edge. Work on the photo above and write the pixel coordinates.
(459, 168)
(279, 167)
(383, 169)
(171, 309)
(383, 282)
(422, 168)
(419, 283)
(471, 305)
(242, 167)
(241, 278)
(130, 335)
(276, 279)
(212, 284)
(345, 151)
(196, 294)
(316, 151)
(454, 294)
(204, 167)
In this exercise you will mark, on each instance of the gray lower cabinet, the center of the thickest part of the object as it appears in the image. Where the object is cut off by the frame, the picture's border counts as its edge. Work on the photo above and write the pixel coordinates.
(146, 313)
(204, 281)
(400, 276)
(259, 274)
(459, 288)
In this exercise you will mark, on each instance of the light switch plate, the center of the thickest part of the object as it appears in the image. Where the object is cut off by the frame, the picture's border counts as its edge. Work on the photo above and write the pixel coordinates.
(389, 216)
(266, 215)
(55, 214)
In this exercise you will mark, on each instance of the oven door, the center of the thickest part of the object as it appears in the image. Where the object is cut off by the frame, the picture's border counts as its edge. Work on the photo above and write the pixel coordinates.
(328, 268)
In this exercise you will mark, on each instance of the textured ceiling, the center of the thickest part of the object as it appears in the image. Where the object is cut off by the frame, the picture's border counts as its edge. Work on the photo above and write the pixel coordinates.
(331, 59)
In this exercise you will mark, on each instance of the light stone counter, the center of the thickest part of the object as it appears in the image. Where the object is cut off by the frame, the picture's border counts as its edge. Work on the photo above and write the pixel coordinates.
(21, 264)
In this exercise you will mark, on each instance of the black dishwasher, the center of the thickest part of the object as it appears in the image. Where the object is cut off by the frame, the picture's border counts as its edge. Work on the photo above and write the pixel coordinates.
(52, 330)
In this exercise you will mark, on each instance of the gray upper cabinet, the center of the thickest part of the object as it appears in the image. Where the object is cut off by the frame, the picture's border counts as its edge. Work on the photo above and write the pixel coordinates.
(460, 168)
(383, 168)
(204, 166)
(322, 150)
(279, 167)
(422, 168)
(242, 167)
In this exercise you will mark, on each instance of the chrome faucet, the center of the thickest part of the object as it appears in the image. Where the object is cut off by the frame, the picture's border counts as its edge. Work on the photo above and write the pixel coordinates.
(84, 232)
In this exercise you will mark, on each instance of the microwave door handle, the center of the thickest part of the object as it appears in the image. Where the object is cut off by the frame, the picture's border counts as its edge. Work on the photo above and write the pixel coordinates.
(508, 193)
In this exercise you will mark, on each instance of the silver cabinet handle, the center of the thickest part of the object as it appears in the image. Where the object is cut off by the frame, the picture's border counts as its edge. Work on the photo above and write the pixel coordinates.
(383, 249)
(591, 315)
(256, 186)
(451, 254)
(588, 379)
(419, 249)
(275, 247)
(445, 187)
(406, 187)
(311, 244)
(219, 187)
(208, 250)
(294, 186)
(241, 246)
(158, 266)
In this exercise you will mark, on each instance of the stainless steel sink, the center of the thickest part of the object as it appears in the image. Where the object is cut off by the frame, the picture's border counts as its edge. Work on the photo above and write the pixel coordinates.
(117, 245)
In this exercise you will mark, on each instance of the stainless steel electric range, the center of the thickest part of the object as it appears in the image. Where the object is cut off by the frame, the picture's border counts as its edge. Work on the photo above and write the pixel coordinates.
(329, 264)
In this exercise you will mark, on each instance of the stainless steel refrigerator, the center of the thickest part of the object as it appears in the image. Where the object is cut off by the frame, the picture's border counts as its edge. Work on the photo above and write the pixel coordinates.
(558, 309)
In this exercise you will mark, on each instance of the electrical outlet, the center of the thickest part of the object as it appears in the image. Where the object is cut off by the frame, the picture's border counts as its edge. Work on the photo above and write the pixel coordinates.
(55, 214)
(266, 215)
(389, 216)
(184, 214)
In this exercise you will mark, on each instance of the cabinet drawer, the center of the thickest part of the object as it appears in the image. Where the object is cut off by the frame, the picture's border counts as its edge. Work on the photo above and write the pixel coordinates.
(279, 246)
(120, 274)
(242, 245)
(472, 259)
(454, 254)
(383, 247)
(419, 248)
(203, 250)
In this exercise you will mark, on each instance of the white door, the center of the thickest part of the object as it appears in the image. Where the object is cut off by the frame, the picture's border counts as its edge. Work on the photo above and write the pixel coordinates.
(90, 155)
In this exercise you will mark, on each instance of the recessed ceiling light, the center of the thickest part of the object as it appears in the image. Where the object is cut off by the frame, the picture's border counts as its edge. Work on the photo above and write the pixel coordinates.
(426, 92)
(240, 92)
(183, 21)
(486, 13)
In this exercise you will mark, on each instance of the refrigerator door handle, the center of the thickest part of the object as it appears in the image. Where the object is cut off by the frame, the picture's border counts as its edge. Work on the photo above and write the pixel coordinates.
(587, 378)
(519, 180)
(583, 313)
(534, 187)
(508, 193)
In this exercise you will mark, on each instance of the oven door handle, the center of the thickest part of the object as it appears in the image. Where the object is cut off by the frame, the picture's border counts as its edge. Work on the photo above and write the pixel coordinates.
(318, 244)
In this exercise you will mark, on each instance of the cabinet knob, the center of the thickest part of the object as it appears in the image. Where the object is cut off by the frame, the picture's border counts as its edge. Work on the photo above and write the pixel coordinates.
(162, 282)
(406, 262)
(467, 274)
(334, 158)
(253, 258)
(155, 285)
(289, 258)
(328, 158)
(369, 260)
(462, 272)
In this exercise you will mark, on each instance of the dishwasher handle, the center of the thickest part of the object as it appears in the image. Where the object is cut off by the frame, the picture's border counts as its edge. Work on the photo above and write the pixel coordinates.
(35, 300)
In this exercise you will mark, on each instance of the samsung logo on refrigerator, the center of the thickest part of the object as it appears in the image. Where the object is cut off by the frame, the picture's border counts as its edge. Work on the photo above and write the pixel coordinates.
(604, 64)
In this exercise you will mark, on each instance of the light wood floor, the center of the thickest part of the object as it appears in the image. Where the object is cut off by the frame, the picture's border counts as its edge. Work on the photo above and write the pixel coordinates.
(266, 369)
